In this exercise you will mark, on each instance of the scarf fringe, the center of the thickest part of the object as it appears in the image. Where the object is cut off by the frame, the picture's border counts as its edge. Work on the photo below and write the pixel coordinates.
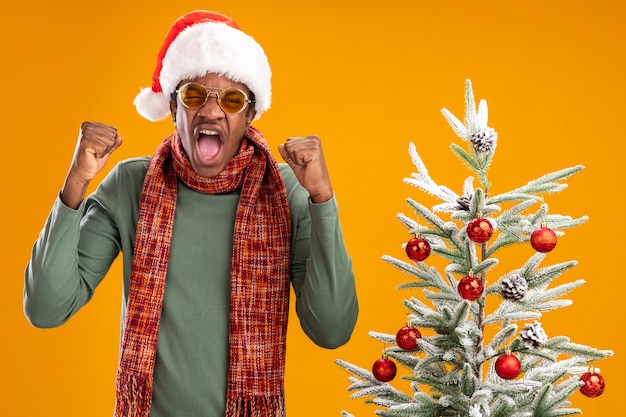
(134, 395)
(256, 407)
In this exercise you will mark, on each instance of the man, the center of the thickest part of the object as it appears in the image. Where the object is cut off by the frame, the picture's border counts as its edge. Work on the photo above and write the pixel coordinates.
(213, 231)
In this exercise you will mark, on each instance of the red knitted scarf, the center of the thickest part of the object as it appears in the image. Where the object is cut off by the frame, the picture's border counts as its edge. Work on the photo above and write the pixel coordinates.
(259, 299)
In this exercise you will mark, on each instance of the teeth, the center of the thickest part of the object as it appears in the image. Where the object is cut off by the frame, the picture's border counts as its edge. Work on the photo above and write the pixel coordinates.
(209, 132)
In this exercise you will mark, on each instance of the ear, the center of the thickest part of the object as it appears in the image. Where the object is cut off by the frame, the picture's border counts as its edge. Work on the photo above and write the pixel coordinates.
(250, 116)
(173, 110)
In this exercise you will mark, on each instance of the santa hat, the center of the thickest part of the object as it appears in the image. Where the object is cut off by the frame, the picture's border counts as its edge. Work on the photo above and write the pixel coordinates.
(204, 42)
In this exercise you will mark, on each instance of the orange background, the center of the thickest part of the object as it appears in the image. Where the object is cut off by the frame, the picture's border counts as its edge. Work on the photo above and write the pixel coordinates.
(368, 77)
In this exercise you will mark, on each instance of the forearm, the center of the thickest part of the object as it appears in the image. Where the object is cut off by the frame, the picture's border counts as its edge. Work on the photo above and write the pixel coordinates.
(74, 190)
(327, 304)
(53, 288)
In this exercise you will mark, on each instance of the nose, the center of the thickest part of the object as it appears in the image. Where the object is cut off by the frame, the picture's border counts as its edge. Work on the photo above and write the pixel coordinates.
(211, 109)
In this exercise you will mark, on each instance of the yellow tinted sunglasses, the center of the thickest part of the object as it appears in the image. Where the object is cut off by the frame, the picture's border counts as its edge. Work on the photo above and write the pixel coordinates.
(231, 100)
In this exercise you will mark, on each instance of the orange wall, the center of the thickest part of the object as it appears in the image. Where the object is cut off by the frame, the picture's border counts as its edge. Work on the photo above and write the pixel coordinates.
(369, 77)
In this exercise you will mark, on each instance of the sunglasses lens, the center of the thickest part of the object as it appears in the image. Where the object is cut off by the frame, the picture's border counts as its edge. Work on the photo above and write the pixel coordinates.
(192, 95)
(232, 100)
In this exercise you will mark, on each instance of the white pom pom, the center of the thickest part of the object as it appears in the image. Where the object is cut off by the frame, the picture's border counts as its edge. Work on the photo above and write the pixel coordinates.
(153, 106)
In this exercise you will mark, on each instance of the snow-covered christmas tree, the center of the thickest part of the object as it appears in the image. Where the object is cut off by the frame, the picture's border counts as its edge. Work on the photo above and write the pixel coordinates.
(484, 351)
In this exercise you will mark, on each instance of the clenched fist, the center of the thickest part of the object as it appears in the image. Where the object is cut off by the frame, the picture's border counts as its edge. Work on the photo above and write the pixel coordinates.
(95, 143)
(306, 158)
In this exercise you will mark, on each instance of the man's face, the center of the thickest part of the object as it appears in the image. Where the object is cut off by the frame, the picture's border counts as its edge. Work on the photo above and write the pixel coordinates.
(211, 137)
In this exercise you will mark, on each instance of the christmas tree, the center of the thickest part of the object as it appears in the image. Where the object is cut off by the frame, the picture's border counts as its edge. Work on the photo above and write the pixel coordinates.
(488, 354)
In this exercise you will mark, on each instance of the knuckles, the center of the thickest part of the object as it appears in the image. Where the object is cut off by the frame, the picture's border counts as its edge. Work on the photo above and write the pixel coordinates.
(307, 144)
(98, 139)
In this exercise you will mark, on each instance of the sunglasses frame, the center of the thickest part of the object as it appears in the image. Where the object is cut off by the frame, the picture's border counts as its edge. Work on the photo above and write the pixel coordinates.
(218, 96)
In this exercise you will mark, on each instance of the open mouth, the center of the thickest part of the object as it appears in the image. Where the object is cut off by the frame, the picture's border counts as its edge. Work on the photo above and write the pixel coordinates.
(209, 144)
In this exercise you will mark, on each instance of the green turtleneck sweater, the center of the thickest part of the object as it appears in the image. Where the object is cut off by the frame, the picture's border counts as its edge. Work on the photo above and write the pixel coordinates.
(76, 248)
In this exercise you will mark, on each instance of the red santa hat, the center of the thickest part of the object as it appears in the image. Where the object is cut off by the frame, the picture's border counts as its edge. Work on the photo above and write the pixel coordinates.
(204, 42)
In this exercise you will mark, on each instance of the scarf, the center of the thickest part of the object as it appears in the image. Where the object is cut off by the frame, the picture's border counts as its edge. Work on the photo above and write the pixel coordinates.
(259, 278)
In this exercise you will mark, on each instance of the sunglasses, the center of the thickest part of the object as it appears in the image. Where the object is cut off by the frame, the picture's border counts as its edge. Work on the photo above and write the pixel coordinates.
(230, 100)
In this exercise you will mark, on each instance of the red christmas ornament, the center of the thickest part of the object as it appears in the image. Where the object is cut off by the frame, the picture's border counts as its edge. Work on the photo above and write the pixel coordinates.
(417, 249)
(479, 230)
(508, 366)
(594, 384)
(543, 239)
(384, 369)
(470, 288)
(406, 338)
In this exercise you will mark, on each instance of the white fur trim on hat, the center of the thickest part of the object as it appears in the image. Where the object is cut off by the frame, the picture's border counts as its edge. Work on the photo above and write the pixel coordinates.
(202, 48)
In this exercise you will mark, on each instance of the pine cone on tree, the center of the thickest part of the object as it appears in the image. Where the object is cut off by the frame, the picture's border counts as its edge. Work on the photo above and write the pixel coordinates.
(533, 335)
(484, 140)
(514, 287)
(463, 203)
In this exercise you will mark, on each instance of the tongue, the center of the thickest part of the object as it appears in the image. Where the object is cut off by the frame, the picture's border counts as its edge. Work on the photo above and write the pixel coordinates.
(208, 146)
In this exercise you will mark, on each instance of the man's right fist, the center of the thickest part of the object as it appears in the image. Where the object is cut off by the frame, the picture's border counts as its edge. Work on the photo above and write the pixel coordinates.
(95, 143)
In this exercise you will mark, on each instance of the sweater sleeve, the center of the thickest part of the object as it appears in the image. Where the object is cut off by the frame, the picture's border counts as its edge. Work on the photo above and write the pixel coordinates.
(322, 276)
(70, 258)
